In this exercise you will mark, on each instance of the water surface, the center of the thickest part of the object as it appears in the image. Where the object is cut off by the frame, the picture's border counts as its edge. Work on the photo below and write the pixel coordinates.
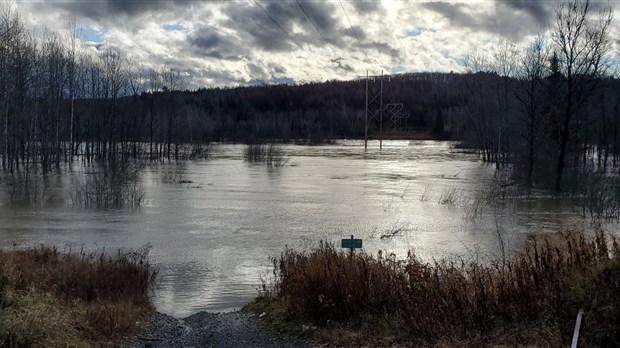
(212, 235)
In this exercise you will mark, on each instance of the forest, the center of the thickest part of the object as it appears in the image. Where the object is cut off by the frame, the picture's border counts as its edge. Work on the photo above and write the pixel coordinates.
(548, 112)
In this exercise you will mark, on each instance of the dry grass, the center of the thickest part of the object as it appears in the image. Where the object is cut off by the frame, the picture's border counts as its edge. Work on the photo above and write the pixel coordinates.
(532, 298)
(449, 196)
(77, 299)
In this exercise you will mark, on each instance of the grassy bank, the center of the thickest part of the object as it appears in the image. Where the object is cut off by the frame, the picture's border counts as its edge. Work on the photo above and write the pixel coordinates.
(531, 299)
(50, 298)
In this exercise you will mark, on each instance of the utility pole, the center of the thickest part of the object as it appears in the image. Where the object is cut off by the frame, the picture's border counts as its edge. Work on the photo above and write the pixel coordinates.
(381, 115)
(366, 121)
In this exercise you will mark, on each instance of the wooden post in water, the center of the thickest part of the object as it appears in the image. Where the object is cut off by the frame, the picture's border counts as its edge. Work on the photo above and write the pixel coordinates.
(351, 249)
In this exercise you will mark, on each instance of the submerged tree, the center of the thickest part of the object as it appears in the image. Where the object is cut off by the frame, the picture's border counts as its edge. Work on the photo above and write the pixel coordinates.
(580, 39)
(530, 96)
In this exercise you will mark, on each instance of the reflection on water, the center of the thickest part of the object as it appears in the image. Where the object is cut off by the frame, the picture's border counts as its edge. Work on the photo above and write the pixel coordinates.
(214, 224)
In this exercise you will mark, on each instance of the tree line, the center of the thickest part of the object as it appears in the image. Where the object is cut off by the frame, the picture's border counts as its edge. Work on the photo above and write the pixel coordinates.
(59, 100)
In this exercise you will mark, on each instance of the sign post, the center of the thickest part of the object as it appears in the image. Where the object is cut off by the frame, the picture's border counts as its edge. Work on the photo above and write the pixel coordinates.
(351, 244)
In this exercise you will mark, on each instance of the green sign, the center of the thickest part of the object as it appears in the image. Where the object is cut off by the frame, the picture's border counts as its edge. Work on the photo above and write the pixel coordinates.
(352, 243)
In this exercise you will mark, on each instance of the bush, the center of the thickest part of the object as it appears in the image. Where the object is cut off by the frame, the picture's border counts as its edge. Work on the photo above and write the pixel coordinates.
(25, 185)
(73, 299)
(597, 193)
(535, 295)
(254, 153)
(114, 186)
(599, 293)
(4, 303)
(84, 276)
(272, 154)
(196, 151)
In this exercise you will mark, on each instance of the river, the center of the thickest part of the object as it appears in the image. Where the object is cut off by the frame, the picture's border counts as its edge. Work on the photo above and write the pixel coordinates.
(212, 231)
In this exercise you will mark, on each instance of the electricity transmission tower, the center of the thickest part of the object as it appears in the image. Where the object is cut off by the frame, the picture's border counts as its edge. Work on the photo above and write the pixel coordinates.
(396, 114)
(374, 111)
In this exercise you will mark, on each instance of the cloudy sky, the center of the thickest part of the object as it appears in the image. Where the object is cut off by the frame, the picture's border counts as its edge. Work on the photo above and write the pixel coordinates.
(243, 42)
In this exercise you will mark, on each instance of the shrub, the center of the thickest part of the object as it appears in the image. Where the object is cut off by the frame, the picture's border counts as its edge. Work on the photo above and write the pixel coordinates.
(73, 298)
(254, 153)
(272, 154)
(114, 186)
(275, 156)
(196, 151)
(84, 276)
(25, 185)
(597, 194)
(535, 295)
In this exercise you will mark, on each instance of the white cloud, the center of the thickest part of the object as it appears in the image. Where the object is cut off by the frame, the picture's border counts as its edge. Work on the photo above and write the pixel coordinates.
(236, 43)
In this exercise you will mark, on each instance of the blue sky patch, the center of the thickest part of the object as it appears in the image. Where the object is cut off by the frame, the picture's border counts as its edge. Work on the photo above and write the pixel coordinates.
(173, 27)
(90, 34)
(398, 69)
(417, 31)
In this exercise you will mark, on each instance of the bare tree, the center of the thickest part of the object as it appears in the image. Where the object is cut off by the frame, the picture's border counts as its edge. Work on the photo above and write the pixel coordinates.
(11, 38)
(71, 71)
(172, 81)
(580, 38)
(531, 72)
(481, 112)
(504, 65)
(114, 80)
(475, 63)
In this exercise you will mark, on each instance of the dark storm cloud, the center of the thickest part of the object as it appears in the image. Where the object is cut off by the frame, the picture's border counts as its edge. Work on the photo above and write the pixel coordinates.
(322, 14)
(367, 6)
(504, 21)
(257, 28)
(359, 31)
(264, 34)
(343, 66)
(383, 48)
(454, 12)
(280, 69)
(257, 70)
(106, 9)
(539, 10)
(208, 41)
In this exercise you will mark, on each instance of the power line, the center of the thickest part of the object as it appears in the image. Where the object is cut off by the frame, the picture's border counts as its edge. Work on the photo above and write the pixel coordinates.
(314, 25)
(353, 30)
(285, 32)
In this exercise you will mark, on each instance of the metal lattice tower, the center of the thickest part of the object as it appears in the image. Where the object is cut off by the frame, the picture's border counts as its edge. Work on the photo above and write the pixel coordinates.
(374, 112)
(396, 114)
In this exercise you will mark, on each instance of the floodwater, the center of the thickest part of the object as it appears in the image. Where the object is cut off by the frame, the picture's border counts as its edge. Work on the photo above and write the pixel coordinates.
(213, 231)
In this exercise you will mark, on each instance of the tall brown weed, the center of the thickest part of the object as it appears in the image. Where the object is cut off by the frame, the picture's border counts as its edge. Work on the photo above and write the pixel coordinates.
(543, 285)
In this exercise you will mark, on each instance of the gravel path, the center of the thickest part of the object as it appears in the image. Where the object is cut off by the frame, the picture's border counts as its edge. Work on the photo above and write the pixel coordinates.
(236, 329)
